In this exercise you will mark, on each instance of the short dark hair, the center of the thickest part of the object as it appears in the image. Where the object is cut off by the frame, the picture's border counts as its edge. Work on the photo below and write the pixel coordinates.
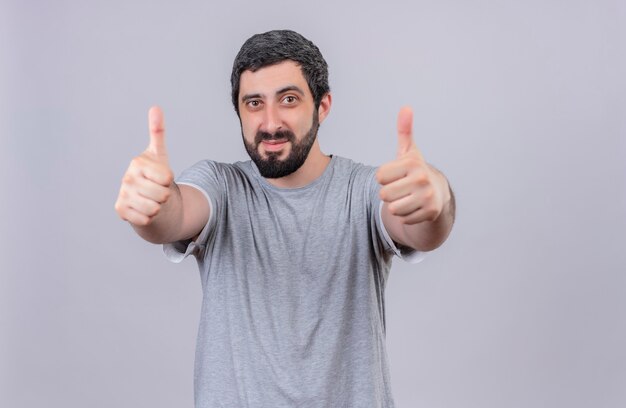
(273, 47)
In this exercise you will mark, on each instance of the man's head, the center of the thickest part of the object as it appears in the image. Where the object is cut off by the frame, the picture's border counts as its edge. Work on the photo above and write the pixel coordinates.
(281, 95)
(272, 47)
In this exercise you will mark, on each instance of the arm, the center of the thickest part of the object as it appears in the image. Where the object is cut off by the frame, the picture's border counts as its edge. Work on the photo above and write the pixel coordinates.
(158, 209)
(419, 205)
(181, 217)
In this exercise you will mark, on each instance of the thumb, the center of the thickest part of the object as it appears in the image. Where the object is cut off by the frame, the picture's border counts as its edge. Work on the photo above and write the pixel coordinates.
(405, 131)
(157, 132)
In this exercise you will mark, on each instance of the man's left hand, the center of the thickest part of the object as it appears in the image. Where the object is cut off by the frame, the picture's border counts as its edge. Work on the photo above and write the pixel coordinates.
(411, 188)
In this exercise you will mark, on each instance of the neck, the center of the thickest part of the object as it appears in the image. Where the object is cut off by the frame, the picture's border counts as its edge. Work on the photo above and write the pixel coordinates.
(311, 169)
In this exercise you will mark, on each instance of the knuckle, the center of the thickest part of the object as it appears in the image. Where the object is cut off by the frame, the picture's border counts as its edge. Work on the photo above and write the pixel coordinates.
(393, 209)
(422, 178)
(128, 179)
(154, 209)
(166, 196)
(413, 183)
(430, 213)
(379, 176)
(137, 162)
(429, 194)
(169, 177)
(119, 209)
(384, 195)
(123, 195)
(122, 213)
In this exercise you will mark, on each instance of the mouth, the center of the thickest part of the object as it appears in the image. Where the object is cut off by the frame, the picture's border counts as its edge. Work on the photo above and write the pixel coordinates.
(274, 145)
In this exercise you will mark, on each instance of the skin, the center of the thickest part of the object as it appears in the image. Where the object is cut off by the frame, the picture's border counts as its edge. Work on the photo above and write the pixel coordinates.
(156, 207)
(278, 97)
(418, 208)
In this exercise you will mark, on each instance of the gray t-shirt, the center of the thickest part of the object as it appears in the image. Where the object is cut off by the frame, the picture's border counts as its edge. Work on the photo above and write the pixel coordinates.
(293, 280)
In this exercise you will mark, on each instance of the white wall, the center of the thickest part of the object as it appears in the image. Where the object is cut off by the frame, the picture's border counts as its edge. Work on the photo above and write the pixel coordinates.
(520, 103)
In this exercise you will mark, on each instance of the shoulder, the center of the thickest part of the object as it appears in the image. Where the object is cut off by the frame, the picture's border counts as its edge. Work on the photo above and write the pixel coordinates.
(213, 165)
(354, 170)
(215, 177)
(213, 168)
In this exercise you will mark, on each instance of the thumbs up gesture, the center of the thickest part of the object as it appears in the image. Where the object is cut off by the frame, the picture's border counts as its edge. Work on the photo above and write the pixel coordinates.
(411, 189)
(146, 183)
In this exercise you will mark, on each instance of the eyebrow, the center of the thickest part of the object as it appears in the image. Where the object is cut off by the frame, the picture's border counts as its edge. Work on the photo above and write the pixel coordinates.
(288, 88)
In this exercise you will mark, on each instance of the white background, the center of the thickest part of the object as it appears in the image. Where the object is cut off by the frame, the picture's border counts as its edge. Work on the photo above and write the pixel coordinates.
(521, 104)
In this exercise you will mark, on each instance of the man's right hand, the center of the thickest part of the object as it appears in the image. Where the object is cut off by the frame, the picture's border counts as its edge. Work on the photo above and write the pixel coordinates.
(146, 184)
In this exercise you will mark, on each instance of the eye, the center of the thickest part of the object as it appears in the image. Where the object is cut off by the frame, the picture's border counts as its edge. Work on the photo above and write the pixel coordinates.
(253, 103)
(290, 99)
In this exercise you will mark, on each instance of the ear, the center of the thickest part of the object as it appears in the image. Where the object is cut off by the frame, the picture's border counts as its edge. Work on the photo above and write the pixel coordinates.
(324, 108)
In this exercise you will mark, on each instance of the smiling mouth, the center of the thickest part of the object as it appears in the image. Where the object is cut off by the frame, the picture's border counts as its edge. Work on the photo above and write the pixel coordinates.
(274, 145)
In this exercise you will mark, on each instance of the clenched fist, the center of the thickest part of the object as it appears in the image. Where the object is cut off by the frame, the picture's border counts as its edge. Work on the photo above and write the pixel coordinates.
(411, 188)
(146, 183)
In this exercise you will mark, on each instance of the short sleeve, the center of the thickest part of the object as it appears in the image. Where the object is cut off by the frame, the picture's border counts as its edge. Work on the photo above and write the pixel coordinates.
(203, 176)
(407, 254)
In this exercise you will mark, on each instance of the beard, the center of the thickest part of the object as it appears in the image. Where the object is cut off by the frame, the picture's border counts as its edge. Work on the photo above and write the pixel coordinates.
(272, 166)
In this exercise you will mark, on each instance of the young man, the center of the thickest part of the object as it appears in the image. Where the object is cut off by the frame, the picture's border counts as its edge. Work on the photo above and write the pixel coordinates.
(294, 247)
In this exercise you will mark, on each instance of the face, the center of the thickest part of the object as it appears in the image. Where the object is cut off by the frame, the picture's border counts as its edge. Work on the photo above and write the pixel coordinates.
(279, 121)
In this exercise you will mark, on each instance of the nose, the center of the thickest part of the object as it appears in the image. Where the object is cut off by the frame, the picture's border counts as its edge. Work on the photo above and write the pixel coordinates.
(271, 120)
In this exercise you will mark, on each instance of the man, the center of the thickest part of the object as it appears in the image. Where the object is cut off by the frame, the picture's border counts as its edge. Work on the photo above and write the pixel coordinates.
(294, 247)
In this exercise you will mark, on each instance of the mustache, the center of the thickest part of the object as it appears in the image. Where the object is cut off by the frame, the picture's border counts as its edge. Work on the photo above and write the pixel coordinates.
(278, 135)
